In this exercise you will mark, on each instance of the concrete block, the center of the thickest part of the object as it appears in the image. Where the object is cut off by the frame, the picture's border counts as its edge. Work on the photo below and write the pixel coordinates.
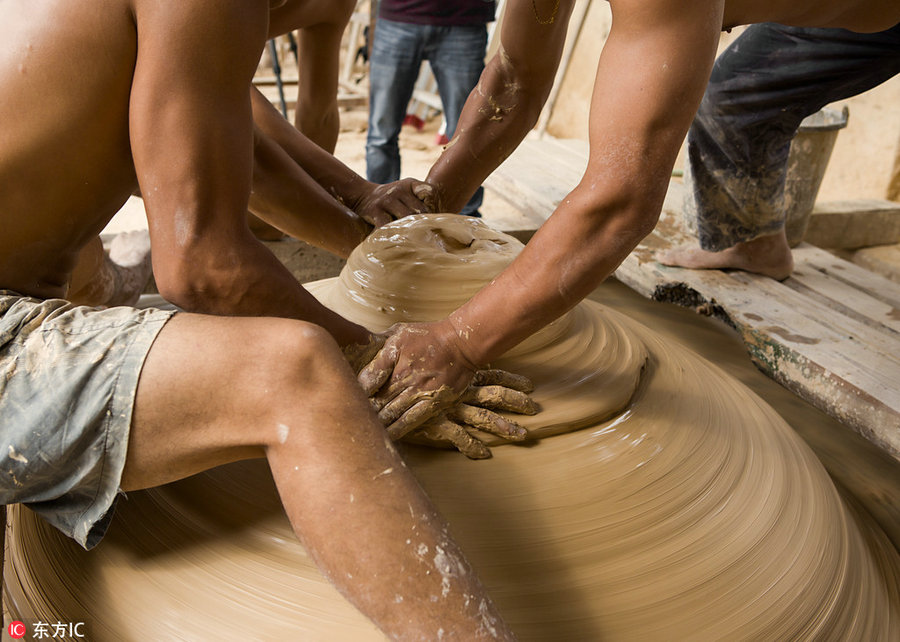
(854, 224)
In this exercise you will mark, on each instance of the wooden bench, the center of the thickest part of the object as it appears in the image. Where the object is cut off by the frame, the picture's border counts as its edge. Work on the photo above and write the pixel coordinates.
(830, 332)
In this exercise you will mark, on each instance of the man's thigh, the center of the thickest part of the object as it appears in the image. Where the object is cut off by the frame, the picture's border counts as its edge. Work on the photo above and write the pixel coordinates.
(68, 376)
(775, 74)
(216, 389)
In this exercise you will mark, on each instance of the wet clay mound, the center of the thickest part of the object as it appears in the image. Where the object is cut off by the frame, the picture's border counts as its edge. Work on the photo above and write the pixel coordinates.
(692, 512)
(585, 366)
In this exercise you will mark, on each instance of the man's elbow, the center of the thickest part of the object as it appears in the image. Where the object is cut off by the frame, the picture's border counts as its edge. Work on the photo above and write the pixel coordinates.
(643, 221)
(320, 124)
(187, 287)
(516, 85)
(629, 217)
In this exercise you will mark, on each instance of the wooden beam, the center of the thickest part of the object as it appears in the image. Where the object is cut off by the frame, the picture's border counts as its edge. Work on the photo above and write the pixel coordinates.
(883, 260)
(829, 332)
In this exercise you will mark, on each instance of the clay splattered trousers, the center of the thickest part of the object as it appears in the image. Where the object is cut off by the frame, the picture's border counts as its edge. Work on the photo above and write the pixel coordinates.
(761, 88)
(68, 377)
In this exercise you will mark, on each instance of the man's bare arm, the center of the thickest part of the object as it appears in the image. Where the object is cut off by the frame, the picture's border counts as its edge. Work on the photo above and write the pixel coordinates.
(286, 196)
(276, 199)
(317, 113)
(507, 101)
(650, 79)
(192, 143)
(320, 26)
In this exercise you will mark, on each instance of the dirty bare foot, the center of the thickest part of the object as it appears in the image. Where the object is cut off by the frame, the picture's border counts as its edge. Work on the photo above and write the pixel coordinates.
(129, 261)
(767, 255)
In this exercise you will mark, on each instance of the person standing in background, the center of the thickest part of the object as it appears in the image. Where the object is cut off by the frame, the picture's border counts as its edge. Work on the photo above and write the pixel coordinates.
(452, 37)
(740, 140)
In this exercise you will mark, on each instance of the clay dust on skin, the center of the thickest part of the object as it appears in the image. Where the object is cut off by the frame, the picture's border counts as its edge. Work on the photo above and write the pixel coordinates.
(14, 455)
(183, 228)
(449, 567)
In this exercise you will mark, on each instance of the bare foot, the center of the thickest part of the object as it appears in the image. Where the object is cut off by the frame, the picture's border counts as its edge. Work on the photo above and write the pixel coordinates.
(767, 255)
(129, 259)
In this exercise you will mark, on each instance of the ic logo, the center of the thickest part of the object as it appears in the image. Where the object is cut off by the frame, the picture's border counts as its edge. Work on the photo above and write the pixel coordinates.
(16, 630)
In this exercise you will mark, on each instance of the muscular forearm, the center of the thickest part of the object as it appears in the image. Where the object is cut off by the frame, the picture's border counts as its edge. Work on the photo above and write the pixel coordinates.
(336, 178)
(505, 104)
(245, 280)
(500, 111)
(320, 124)
(286, 196)
(573, 252)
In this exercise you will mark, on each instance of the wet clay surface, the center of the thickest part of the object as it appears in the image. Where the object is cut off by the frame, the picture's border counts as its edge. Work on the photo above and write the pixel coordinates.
(585, 366)
(686, 508)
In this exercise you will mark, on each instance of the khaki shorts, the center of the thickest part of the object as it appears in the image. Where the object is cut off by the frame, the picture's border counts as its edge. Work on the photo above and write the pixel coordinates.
(68, 377)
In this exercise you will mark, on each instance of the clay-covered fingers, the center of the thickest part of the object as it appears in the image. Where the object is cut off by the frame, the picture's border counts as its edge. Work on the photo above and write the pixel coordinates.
(443, 430)
(413, 196)
(501, 398)
(376, 373)
(410, 410)
(376, 218)
(395, 200)
(495, 377)
(360, 355)
(487, 421)
(427, 195)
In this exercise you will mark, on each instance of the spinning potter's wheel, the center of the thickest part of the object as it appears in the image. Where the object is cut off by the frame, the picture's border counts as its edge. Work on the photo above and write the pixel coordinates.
(684, 508)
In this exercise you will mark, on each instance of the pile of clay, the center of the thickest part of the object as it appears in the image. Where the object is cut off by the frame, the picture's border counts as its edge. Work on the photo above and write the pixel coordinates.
(685, 508)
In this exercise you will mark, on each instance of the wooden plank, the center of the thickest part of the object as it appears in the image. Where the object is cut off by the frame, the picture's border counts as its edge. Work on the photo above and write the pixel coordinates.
(536, 177)
(874, 285)
(850, 301)
(842, 377)
(845, 366)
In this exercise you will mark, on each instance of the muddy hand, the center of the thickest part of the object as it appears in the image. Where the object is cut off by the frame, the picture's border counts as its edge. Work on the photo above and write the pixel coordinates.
(501, 390)
(385, 203)
(490, 390)
(359, 355)
(419, 374)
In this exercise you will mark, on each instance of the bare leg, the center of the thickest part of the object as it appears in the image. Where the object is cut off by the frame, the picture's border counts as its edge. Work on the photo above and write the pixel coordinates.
(215, 390)
(114, 278)
(767, 255)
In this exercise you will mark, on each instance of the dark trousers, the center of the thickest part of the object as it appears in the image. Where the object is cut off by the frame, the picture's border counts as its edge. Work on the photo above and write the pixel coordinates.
(761, 88)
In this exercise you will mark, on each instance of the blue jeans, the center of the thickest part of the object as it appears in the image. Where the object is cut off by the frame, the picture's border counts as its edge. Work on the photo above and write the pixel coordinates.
(760, 89)
(456, 56)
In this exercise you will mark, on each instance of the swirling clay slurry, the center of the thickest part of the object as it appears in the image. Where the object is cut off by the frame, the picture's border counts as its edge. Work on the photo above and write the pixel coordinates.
(691, 512)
